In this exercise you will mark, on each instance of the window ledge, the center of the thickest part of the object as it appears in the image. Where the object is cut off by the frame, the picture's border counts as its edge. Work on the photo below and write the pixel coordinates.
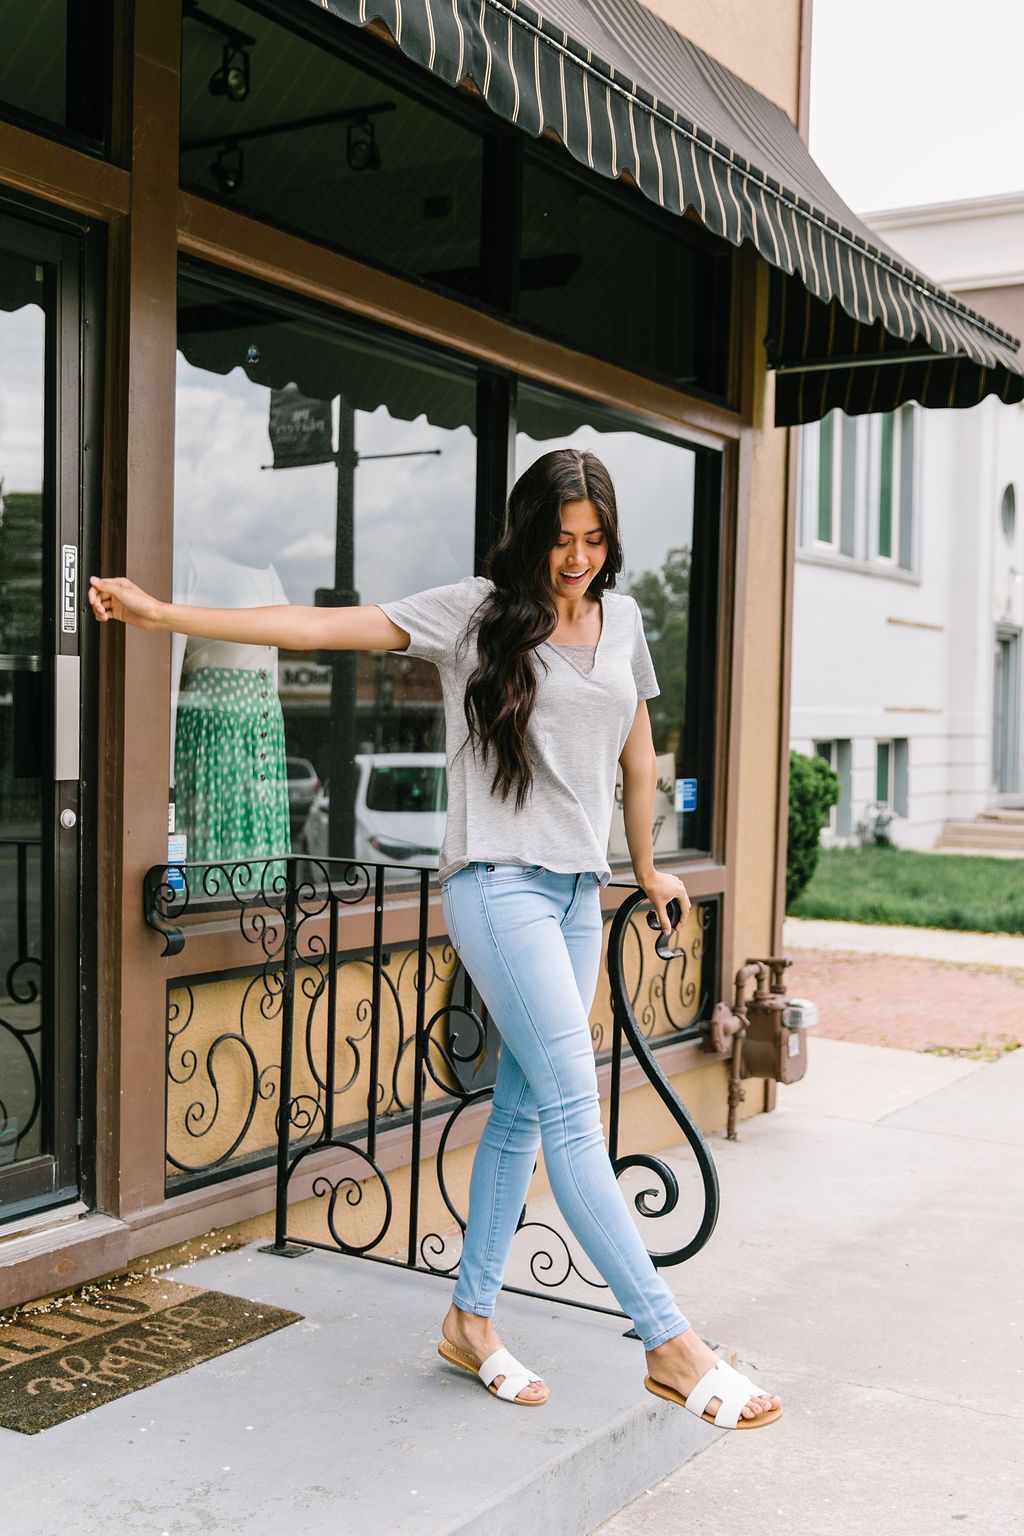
(840, 562)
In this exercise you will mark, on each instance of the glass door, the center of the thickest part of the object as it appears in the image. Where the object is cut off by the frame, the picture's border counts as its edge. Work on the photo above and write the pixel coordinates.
(40, 540)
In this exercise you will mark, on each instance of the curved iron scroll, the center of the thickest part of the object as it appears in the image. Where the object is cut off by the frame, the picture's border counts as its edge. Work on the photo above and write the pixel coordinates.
(327, 1003)
(625, 1024)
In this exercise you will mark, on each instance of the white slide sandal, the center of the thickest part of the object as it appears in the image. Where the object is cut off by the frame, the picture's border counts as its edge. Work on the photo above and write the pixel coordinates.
(500, 1363)
(725, 1382)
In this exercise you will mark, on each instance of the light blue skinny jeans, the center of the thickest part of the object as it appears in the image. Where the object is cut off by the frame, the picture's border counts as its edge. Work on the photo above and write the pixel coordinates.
(531, 940)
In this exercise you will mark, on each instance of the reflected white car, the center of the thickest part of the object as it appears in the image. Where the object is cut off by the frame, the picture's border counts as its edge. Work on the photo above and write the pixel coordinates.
(303, 785)
(401, 806)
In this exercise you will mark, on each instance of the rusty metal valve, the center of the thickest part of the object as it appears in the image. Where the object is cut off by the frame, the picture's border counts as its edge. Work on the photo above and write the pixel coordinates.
(766, 1033)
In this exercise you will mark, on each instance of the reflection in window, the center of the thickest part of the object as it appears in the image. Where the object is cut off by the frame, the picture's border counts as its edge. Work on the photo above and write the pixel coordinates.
(668, 500)
(606, 279)
(289, 131)
(54, 58)
(312, 465)
(26, 300)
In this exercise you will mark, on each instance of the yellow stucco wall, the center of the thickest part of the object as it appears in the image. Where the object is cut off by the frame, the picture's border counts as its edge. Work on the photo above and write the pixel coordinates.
(755, 39)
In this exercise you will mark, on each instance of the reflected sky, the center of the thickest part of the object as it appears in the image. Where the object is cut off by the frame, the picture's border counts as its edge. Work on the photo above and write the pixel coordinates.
(414, 517)
(654, 488)
(22, 336)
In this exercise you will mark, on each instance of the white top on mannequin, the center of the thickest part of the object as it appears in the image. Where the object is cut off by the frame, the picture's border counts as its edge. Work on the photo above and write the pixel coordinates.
(210, 578)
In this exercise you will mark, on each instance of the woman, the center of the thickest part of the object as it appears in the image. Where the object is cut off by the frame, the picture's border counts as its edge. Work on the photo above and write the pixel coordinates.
(545, 673)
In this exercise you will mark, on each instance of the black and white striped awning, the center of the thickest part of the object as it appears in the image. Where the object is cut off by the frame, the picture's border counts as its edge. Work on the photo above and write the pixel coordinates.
(851, 324)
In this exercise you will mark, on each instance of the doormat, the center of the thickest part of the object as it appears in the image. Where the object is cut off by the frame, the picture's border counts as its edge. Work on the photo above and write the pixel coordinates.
(60, 1362)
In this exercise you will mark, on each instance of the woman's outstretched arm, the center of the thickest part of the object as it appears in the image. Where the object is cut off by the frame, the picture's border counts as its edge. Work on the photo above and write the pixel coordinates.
(289, 626)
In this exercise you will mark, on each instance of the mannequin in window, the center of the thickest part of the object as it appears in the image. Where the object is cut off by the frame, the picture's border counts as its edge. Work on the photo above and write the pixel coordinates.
(228, 766)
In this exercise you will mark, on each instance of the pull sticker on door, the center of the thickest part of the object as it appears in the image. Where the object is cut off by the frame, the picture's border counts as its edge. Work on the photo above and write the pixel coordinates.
(69, 589)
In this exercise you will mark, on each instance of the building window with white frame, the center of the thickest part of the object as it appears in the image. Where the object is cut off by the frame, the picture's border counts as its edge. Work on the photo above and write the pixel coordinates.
(838, 755)
(892, 776)
(858, 487)
(828, 484)
(892, 492)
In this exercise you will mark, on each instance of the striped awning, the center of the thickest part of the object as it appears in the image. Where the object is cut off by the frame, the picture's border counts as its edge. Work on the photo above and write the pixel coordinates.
(851, 323)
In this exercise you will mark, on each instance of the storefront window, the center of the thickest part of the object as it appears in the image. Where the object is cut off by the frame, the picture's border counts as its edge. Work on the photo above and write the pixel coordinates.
(299, 136)
(608, 279)
(669, 510)
(54, 67)
(26, 298)
(314, 464)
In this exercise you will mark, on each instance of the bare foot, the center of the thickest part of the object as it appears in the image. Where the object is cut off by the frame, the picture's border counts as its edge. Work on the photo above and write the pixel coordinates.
(477, 1335)
(683, 1361)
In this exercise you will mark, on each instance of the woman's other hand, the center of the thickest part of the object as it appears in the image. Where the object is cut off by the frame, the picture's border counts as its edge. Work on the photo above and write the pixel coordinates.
(660, 888)
(115, 597)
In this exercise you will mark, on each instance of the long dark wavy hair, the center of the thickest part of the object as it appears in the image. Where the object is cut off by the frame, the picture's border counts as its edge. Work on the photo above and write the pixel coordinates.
(521, 611)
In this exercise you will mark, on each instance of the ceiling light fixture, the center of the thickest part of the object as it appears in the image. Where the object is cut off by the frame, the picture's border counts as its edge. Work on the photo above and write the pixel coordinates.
(361, 148)
(227, 168)
(232, 78)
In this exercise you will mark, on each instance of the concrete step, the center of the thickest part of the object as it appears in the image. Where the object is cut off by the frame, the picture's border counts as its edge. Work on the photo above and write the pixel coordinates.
(349, 1421)
(1004, 815)
(982, 833)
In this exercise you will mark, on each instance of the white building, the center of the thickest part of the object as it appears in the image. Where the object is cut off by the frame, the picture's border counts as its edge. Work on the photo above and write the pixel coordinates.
(909, 589)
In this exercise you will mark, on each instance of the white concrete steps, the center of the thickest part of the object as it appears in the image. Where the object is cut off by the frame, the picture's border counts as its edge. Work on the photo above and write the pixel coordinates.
(349, 1422)
(998, 831)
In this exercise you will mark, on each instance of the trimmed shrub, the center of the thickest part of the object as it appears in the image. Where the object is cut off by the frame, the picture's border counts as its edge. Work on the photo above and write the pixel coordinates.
(813, 790)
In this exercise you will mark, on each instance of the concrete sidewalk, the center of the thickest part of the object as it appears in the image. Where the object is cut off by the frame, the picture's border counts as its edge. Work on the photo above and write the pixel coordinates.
(998, 949)
(868, 1263)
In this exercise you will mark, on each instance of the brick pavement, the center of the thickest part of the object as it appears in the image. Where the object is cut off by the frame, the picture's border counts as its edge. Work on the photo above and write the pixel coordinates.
(913, 1004)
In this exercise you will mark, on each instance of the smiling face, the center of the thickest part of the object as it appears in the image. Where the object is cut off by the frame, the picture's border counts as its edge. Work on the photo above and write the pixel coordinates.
(581, 550)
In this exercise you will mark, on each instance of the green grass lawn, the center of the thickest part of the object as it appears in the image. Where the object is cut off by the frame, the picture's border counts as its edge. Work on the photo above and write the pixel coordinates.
(922, 890)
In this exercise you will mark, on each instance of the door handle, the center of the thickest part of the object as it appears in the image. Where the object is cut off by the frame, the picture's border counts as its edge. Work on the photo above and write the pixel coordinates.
(66, 717)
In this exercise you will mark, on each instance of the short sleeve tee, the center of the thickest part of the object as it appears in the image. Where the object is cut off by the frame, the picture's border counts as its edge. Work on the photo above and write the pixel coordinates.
(577, 729)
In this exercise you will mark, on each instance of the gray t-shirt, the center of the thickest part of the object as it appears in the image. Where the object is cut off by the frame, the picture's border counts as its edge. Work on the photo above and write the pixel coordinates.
(577, 729)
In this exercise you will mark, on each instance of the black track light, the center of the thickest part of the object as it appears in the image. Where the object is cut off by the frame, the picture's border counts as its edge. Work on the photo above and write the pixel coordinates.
(362, 150)
(232, 78)
(227, 168)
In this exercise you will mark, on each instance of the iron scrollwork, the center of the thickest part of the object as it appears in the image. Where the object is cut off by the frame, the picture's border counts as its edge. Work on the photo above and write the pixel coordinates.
(21, 1021)
(333, 1045)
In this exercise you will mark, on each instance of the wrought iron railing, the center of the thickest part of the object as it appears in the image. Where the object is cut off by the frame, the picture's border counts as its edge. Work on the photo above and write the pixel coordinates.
(320, 1052)
(21, 1022)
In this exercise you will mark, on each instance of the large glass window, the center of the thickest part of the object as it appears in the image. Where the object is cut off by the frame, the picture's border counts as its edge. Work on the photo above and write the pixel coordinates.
(668, 496)
(294, 134)
(326, 138)
(55, 66)
(314, 464)
(621, 282)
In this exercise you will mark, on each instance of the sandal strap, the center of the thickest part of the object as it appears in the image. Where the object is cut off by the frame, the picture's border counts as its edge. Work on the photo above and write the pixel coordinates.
(501, 1363)
(731, 1386)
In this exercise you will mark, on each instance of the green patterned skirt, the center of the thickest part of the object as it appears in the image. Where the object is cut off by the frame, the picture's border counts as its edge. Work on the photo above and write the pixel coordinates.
(231, 783)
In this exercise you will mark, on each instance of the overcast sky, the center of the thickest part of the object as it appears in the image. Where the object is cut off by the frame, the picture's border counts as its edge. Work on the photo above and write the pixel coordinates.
(917, 101)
